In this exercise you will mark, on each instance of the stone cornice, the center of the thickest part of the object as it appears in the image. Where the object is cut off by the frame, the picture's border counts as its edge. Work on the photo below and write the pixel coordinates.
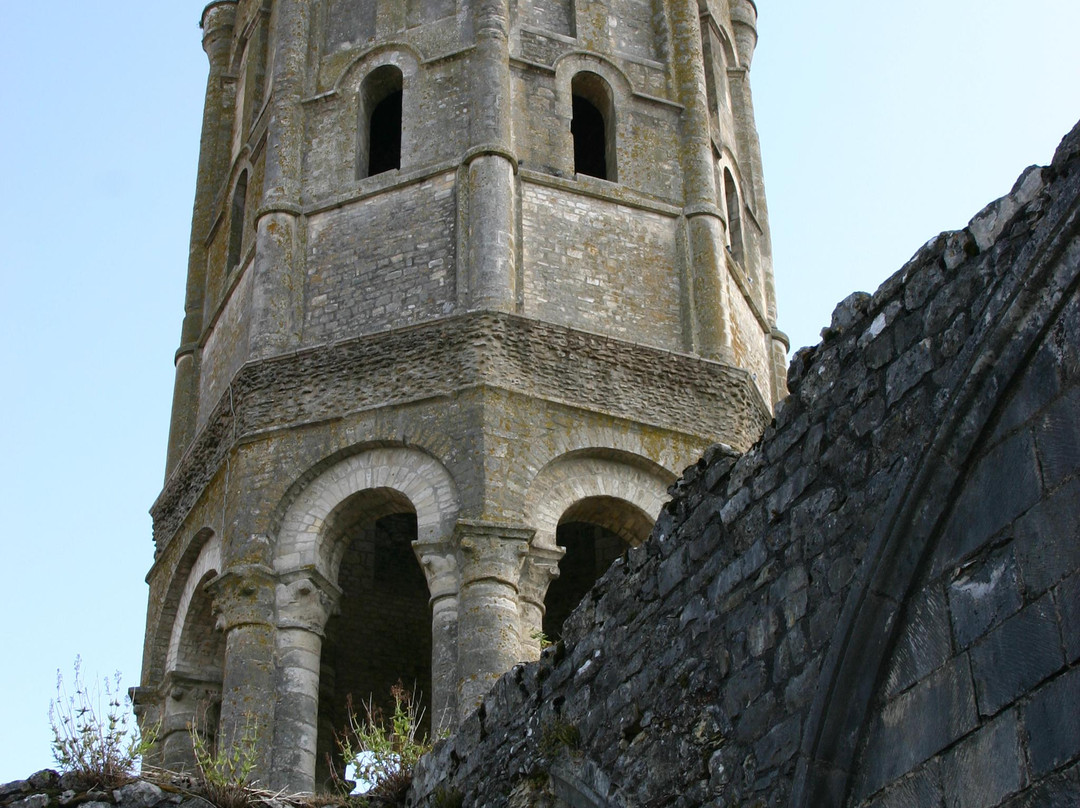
(681, 393)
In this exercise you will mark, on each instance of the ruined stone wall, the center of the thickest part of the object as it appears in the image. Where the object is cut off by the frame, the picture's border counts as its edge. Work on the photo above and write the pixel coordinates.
(876, 605)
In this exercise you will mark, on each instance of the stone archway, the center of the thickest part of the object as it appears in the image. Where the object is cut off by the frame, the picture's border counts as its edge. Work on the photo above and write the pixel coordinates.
(380, 634)
(593, 532)
(587, 507)
(194, 662)
(384, 502)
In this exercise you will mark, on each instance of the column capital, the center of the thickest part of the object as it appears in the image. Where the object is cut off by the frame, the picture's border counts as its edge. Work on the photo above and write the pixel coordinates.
(491, 551)
(305, 599)
(439, 561)
(541, 567)
(243, 595)
(196, 692)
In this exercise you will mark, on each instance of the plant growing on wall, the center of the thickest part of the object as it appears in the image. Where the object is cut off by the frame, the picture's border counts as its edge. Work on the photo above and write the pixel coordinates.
(225, 771)
(381, 754)
(95, 735)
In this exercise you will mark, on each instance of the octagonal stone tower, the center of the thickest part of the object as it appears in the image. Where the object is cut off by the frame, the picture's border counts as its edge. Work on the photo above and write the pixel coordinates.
(469, 282)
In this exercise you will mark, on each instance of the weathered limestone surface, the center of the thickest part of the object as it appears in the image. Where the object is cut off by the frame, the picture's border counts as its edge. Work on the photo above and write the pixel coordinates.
(469, 282)
(877, 604)
(48, 789)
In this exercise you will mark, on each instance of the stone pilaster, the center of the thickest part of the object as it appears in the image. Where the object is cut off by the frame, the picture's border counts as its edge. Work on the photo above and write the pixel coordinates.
(244, 601)
(148, 705)
(489, 644)
(780, 346)
(491, 166)
(744, 23)
(541, 567)
(706, 271)
(305, 601)
(217, 24)
(440, 564)
(278, 288)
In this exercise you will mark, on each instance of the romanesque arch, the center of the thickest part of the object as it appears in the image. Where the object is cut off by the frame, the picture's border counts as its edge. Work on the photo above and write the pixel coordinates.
(591, 87)
(353, 605)
(303, 538)
(594, 474)
(377, 92)
(194, 659)
(593, 127)
(587, 507)
(189, 635)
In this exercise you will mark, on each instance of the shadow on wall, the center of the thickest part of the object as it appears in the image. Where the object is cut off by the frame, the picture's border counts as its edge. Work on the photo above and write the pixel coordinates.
(877, 604)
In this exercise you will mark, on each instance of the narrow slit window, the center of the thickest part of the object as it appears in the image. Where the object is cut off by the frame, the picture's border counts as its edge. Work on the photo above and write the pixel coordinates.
(236, 223)
(381, 118)
(593, 127)
(735, 234)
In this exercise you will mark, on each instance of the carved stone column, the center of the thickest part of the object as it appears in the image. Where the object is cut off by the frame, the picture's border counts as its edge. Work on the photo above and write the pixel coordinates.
(541, 567)
(489, 644)
(217, 25)
(148, 705)
(278, 286)
(305, 601)
(440, 564)
(244, 600)
(188, 701)
(491, 165)
(705, 225)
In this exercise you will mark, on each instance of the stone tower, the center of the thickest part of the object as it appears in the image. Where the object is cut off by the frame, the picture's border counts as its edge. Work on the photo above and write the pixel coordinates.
(469, 282)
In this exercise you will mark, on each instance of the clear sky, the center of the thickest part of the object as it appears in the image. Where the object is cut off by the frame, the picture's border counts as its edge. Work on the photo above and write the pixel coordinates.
(881, 125)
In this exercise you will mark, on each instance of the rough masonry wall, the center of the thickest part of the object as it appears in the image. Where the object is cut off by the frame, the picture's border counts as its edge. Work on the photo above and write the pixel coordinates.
(383, 262)
(576, 250)
(876, 604)
(226, 347)
(749, 322)
(555, 16)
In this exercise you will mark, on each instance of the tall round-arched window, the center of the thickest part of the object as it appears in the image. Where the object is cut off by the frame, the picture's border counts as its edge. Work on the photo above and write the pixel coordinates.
(236, 223)
(380, 122)
(593, 127)
(731, 198)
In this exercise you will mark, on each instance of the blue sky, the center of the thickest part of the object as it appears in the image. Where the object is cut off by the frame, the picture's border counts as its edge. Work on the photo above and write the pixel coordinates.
(881, 125)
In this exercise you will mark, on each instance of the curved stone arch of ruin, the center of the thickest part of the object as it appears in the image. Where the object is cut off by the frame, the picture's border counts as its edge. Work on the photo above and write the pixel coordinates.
(207, 564)
(177, 593)
(914, 518)
(590, 475)
(309, 550)
(632, 446)
(399, 54)
(305, 539)
(570, 64)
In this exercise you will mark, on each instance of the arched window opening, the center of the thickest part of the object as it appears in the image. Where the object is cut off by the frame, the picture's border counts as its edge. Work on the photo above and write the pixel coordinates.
(381, 634)
(380, 111)
(195, 668)
(202, 644)
(236, 223)
(593, 127)
(594, 532)
(734, 214)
